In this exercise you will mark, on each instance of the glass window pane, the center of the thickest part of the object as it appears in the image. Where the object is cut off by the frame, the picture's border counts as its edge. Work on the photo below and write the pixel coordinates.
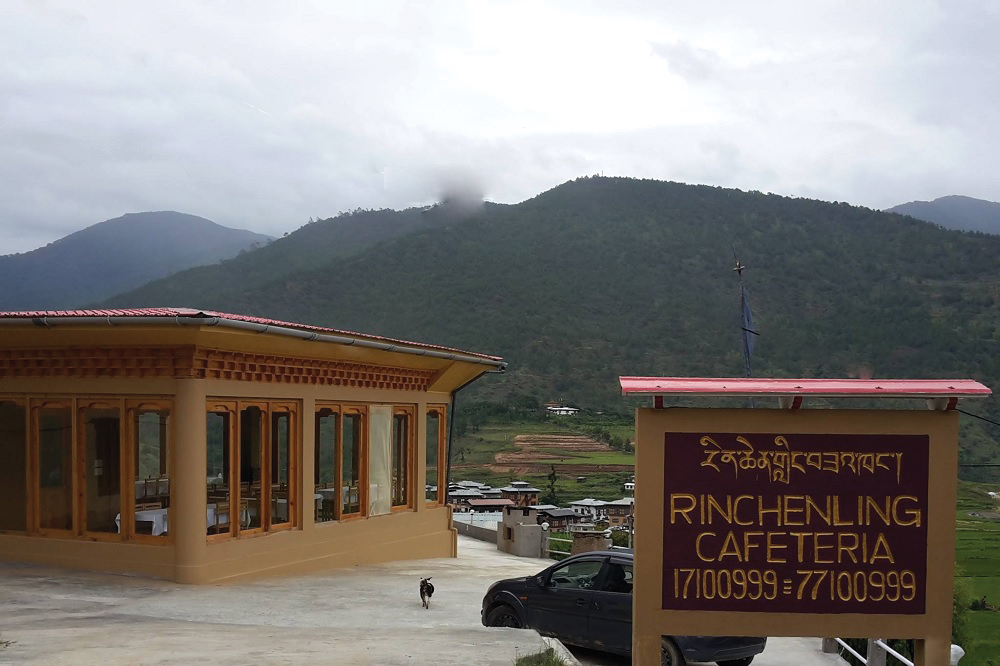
(400, 459)
(578, 575)
(14, 468)
(323, 474)
(432, 443)
(280, 432)
(102, 469)
(351, 464)
(152, 486)
(618, 578)
(219, 513)
(251, 467)
(55, 468)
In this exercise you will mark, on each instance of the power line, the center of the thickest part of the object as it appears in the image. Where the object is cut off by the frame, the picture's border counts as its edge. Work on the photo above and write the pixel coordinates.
(977, 416)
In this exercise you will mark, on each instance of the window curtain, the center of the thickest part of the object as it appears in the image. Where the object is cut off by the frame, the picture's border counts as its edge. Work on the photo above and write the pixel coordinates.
(380, 460)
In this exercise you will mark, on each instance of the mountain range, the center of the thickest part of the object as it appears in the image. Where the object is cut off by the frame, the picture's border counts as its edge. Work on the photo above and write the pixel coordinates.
(115, 255)
(601, 277)
(955, 212)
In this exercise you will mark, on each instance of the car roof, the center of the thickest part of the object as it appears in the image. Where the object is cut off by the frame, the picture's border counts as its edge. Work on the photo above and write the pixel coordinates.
(626, 553)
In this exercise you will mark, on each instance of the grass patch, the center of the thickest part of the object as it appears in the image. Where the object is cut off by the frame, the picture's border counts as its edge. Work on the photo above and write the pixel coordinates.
(545, 658)
(983, 646)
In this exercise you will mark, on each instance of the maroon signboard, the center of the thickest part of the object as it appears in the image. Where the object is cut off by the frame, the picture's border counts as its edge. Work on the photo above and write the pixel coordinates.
(798, 523)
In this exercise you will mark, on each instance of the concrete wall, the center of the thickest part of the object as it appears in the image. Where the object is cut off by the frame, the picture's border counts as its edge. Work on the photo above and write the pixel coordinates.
(585, 542)
(523, 540)
(476, 531)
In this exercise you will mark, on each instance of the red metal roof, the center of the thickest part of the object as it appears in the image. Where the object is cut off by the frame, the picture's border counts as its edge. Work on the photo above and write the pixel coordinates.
(489, 502)
(192, 313)
(844, 388)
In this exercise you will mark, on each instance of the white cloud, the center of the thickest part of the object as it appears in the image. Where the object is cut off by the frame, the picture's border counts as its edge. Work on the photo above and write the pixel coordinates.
(261, 115)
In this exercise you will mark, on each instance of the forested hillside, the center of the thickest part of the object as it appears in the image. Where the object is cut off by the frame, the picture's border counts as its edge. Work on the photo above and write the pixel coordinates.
(317, 244)
(602, 277)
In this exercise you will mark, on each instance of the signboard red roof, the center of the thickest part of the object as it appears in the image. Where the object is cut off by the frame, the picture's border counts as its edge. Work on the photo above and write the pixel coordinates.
(820, 388)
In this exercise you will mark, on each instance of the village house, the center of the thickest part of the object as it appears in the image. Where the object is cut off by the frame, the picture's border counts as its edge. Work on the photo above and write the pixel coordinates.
(521, 493)
(558, 519)
(619, 512)
(488, 505)
(200, 446)
(591, 509)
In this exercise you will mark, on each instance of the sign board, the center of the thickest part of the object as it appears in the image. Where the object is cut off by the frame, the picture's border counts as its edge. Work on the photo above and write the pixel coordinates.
(771, 522)
(780, 522)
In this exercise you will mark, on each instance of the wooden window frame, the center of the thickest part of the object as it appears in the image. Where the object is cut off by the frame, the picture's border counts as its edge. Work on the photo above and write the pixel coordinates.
(265, 463)
(408, 503)
(22, 402)
(229, 407)
(294, 467)
(268, 408)
(80, 443)
(35, 405)
(129, 463)
(77, 407)
(442, 457)
(331, 409)
(361, 410)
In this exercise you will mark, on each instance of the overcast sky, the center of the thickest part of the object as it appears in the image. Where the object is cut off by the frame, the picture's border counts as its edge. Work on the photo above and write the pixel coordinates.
(260, 115)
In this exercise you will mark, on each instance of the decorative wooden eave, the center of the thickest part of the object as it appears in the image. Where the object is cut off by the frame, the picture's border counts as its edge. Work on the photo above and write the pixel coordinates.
(188, 343)
(939, 393)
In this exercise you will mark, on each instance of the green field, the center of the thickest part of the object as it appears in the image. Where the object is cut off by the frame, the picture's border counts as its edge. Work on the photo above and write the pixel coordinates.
(977, 554)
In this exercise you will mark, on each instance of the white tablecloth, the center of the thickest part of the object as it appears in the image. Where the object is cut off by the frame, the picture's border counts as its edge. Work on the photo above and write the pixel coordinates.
(212, 517)
(157, 516)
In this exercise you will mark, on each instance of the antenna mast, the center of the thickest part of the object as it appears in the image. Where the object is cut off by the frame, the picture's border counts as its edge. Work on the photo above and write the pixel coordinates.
(747, 330)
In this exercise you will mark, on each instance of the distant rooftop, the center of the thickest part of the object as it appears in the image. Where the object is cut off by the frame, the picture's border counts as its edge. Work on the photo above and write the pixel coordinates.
(490, 502)
(464, 493)
(558, 513)
(470, 484)
(520, 489)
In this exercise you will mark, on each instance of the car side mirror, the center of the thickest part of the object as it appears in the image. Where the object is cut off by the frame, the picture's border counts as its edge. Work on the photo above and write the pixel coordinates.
(539, 581)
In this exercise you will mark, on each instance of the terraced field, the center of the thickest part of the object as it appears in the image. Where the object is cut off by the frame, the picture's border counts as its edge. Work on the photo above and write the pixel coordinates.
(500, 453)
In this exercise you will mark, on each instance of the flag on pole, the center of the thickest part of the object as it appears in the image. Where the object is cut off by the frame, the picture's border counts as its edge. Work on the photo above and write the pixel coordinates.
(749, 332)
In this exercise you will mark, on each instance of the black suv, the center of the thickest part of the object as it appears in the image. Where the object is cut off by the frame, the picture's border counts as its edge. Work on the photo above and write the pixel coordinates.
(586, 600)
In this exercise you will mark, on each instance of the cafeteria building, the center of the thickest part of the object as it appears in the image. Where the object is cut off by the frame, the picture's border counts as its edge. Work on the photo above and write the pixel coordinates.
(198, 446)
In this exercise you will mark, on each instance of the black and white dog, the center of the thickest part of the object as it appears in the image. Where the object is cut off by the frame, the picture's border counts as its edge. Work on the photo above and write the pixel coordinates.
(426, 590)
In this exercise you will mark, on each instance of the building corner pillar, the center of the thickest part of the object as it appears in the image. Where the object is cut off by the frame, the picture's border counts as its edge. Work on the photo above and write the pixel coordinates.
(188, 522)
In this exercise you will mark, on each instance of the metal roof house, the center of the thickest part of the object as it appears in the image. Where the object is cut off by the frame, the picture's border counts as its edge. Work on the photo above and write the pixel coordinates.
(200, 446)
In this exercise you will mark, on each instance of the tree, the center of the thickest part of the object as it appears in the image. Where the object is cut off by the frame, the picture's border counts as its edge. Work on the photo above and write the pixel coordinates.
(552, 498)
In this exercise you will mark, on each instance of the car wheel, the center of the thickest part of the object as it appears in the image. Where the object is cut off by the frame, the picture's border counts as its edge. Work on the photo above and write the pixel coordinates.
(503, 616)
(671, 654)
(745, 661)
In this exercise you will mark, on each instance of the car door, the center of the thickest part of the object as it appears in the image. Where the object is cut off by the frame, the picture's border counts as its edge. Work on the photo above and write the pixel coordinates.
(610, 621)
(561, 607)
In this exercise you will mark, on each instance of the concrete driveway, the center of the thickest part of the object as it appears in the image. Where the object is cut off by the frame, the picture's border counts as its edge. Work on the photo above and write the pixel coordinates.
(366, 615)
